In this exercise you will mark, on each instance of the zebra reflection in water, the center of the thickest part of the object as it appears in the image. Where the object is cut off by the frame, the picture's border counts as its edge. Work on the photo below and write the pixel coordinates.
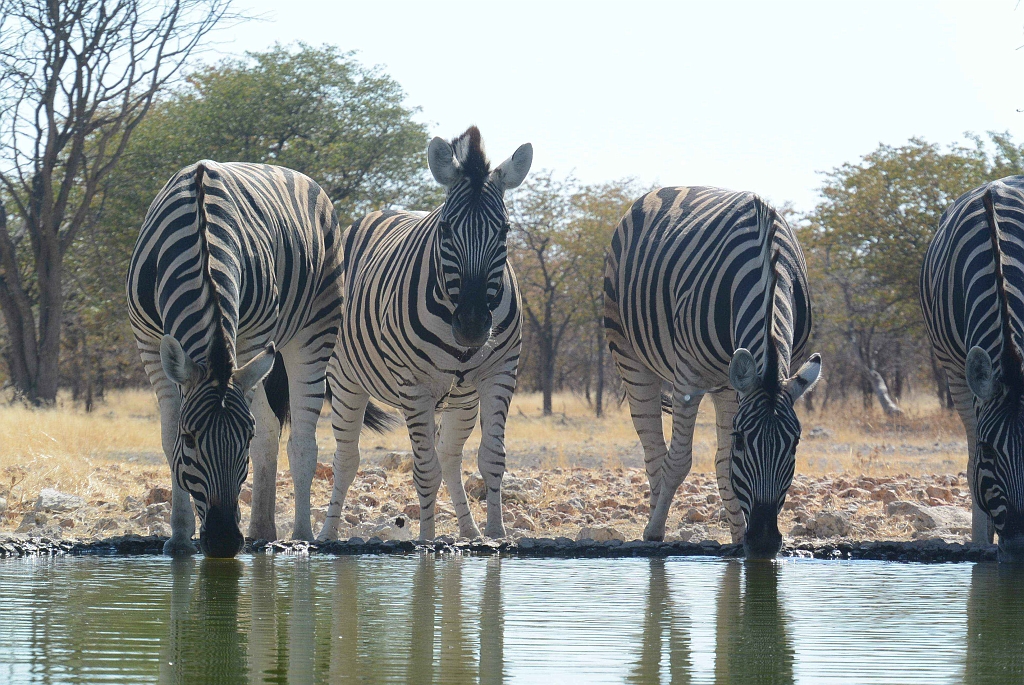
(995, 632)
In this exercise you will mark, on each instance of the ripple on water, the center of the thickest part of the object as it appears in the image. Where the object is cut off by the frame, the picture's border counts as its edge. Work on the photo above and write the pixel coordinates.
(421, 619)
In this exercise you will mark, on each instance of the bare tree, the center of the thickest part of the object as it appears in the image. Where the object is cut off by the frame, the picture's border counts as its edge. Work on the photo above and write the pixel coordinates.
(78, 76)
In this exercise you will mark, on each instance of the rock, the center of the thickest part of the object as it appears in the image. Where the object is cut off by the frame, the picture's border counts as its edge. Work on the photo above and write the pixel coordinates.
(384, 529)
(475, 487)
(524, 522)
(565, 508)
(106, 523)
(412, 511)
(944, 494)
(397, 461)
(3, 505)
(819, 432)
(826, 524)
(324, 472)
(600, 534)
(245, 496)
(158, 495)
(885, 495)
(376, 471)
(943, 519)
(695, 515)
(54, 500)
(131, 503)
(31, 520)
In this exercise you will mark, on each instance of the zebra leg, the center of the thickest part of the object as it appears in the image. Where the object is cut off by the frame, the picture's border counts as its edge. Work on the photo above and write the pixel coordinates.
(495, 398)
(183, 518)
(643, 391)
(685, 401)
(982, 528)
(263, 453)
(726, 405)
(456, 425)
(348, 403)
(426, 469)
(306, 386)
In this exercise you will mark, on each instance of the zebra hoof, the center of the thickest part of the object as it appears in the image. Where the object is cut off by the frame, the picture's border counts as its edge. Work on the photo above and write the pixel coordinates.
(496, 532)
(179, 547)
(652, 535)
(470, 533)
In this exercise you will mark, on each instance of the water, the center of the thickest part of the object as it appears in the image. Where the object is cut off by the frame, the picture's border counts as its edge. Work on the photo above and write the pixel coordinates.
(466, 620)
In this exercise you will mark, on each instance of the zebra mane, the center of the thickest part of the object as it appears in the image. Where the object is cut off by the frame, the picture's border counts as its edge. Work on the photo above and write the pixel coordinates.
(219, 359)
(766, 216)
(471, 159)
(1011, 369)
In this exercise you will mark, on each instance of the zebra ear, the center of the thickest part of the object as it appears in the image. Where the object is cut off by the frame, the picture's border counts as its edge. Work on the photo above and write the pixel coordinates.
(441, 160)
(743, 371)
(980, 374)
(805, 378)
(178, 366)
(256, 369)
(513, 170)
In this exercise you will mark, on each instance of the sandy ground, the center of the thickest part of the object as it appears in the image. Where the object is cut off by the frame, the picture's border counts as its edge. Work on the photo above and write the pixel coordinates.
(859, 475)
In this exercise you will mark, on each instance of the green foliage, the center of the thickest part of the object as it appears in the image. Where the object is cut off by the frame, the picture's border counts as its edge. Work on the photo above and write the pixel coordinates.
(865, 242)
(315, 110)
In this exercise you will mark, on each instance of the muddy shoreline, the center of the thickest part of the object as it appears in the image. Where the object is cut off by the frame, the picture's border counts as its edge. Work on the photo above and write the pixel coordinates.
(926, 551)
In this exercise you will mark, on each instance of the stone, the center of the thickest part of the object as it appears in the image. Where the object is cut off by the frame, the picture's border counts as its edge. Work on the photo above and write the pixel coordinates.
(31, 520)
(158, 495)
(412, 511)
(3, 505)
(245, 496)
(475, 487)
(524, 522)
(945, 519)
(819, 432)
(827, 524)
(324, 472)
(695, 515)
(397, 461)
(54, 500)
(600, 534)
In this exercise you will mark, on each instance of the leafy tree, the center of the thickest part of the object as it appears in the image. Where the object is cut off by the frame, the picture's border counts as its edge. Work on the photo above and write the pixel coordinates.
(315, 110)
(78, 76)
(865, 243)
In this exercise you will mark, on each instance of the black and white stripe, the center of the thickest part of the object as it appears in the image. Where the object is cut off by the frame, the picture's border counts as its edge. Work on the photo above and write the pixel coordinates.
(236, 266)
(432, 325)
(707, 289)
(972, 294)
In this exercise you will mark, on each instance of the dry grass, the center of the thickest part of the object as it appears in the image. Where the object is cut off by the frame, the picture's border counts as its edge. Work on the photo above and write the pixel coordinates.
(65, 447)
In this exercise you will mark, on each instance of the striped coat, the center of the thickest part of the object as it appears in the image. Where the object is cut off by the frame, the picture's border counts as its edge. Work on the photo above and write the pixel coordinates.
(236, 266)
(706, 289)
(432, 325)
(972, 295)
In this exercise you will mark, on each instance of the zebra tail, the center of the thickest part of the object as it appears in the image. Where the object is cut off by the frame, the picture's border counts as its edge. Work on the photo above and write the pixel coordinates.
(276, 387)
(378, 420)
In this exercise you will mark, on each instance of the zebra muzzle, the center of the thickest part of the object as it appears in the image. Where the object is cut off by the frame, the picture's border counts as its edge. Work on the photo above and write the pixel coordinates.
(220, 536)
(471, 326)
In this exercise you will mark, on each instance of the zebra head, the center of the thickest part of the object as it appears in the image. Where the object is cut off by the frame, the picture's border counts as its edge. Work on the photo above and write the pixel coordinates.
(215, 426)
(766, 429)
(997, 481)
(472, 229)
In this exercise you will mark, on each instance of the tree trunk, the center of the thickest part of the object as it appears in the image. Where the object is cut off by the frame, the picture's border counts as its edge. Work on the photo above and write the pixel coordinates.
(547, 357)
(599, 392)
(889, 405)
(941, 383)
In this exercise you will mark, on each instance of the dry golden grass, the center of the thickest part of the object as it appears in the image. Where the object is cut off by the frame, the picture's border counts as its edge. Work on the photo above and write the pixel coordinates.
(64, 447)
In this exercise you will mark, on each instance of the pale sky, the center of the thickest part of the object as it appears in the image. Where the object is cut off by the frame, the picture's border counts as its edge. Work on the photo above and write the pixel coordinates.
(747, 95)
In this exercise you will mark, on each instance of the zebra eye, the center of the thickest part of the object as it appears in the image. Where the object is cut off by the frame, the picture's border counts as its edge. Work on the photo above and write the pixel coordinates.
(188, 441)
(446, 229)
(739, 442)
(504, 230)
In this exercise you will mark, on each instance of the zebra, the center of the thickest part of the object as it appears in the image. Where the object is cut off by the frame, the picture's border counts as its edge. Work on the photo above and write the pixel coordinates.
(433, 324)
(707, 289)
(972, 296)
(235, 273)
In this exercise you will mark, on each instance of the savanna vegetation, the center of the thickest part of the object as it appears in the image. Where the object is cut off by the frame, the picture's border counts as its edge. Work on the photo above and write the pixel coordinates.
(88, 137)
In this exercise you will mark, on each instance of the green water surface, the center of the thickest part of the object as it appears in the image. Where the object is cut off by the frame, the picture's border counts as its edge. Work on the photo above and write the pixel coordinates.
(422, 619)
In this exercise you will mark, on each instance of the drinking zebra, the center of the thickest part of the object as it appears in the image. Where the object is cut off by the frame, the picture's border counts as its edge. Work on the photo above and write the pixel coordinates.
(707, 289)
(432, 324)
(236, 265)
(972, 294)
